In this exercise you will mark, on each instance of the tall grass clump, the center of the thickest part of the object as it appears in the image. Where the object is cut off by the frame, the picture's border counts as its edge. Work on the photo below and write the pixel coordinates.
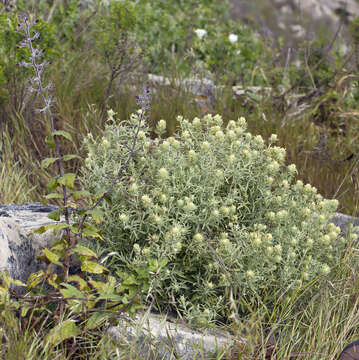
(221, 209)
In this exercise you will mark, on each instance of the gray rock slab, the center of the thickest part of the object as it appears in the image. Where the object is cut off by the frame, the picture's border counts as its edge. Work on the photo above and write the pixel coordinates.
(154, 336)
(344, 221)
(18, 247)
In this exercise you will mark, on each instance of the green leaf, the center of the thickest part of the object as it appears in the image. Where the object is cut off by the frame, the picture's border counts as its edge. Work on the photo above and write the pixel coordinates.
(97, 215)
(52, 257)
(52, 184)
(49, 140)
(52, 281)
(54, 196)
(71, 291)
(40, 230)
(56, 227)
(62, 331)
(92, 267)
(76, 278)
(70, 157)
(63, 133)
(91, 233)
(35, 278)
(95, 320)
(48, 161)
(67, 180)
(55, 215)
(77, 194)
(83, 251)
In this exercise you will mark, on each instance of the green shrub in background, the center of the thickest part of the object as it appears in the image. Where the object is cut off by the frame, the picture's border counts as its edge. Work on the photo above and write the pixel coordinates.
(167, 31)
(221, 207)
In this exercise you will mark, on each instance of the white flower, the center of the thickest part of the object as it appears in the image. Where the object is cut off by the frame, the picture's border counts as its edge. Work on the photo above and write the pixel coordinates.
(233, 38)
(200, 33)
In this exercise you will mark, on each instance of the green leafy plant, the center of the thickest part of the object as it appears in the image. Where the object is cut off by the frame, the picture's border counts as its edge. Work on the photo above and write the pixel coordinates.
(78, 302)
(168, 33)
(113, 30)
(222, 208)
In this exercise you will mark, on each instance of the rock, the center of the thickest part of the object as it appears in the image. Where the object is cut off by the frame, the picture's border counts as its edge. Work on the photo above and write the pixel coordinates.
(159, 337)
(343, 221)
(18, 248)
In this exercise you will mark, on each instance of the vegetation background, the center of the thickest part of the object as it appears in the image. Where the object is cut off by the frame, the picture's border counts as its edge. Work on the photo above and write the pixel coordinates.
(101, 53)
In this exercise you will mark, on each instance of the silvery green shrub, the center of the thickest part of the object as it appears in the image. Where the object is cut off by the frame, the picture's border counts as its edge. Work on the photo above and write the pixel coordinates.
(220, 205)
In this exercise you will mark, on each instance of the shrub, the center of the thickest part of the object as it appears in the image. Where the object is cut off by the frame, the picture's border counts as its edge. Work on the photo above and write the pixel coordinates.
(221, 207)
(168, 33)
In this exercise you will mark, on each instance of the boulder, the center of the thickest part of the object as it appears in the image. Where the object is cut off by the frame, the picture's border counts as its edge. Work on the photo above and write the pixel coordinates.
(343, 221)
(19, 248)
(153, 336)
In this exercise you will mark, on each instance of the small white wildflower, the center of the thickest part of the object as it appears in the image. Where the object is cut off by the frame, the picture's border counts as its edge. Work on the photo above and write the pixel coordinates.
(271, 215)
(217, 119)
(136, 248)
(163, 198)
(180, 203)
(192, 156)
(205, 145)
(308, 188)
(258, 141)
(146, 251)
(133, 188)
(292, 169)
(250, 274)
(242, 121)
(105, 143)
(123, 218)
(233, 38)
(186, 134)
(256, 242)
(293, 242)
(177, 247)
(163, 173)
(219, 134)
(269, 250)
(110, 114)
(231, 134)
(200, 33)
(141, 135)
(277, 258)
(278, 249)
(157, 219)
(146, 200)
(273, 138)
(165, 145)
(219, 173)
(273, 167)
(190, 206)
(268, 237)
(161, 126)
(198, 237)
(196, 122)
(231, 124)
(325, 239)
(224, 210)
(310, 242)
(269, 180)
(215, 213)
(325, 269)
(176, 230)
(210, 286)
(231, 158)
